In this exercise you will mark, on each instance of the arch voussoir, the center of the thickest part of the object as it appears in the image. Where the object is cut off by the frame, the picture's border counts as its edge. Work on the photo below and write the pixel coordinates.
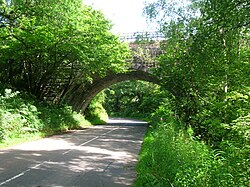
(91, 90)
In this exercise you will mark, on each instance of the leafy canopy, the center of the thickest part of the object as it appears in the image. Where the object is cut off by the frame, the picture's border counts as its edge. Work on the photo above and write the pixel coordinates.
(46, 40)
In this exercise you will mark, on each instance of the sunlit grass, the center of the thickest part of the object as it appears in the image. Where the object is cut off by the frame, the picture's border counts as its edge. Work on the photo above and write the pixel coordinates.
(23, 119)
(38, 135)
(171, 156)
(22, 139)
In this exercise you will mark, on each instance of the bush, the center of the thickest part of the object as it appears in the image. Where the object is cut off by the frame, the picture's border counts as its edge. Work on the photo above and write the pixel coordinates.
(172, 156)
(95, 111)
(17, 115)
(20, 114)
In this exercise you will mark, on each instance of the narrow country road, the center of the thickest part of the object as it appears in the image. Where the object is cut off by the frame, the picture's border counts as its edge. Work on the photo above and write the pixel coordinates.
(101, 156)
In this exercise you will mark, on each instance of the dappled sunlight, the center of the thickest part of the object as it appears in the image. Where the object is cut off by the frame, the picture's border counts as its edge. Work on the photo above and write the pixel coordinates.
(122, 140)
(125, 121)
(47, 144)
(109, 154)
(99, 156)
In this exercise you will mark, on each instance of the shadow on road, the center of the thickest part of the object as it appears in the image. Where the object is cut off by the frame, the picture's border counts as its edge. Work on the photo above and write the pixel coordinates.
(103, 155)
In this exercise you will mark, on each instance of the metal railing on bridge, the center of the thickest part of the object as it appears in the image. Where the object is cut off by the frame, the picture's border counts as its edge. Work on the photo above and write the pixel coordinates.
(145, 47)
(142, 36)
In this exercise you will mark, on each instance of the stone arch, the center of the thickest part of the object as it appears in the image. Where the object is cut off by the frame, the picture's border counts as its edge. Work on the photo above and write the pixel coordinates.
(100, 84)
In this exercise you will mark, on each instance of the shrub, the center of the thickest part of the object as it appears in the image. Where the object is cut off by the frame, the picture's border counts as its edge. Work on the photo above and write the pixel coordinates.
(20, 114)
(95, 111)
(172, 156)
(17, 115)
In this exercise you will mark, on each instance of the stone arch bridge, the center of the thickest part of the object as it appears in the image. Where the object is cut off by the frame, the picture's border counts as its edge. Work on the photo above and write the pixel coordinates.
(145, 48)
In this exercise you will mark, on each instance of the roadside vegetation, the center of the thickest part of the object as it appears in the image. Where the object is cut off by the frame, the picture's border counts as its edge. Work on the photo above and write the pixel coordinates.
(95, 112)
(134, 99)
(172, 155)
(200, 116)
(22, 117)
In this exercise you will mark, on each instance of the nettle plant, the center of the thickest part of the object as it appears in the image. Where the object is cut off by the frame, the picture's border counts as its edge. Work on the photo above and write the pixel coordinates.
(17, 115)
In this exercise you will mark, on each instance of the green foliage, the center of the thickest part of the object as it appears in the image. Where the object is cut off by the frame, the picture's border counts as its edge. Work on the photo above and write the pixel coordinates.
(95, 112)
(16, 116)
(133, 99)
(206, 68)
(206, 62)
(60, 118)
(44, 42)
(172, 156)
(21, 114)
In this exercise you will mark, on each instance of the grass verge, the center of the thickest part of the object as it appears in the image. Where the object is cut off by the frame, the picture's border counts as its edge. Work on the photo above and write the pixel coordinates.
(23, 118)
(172, 157)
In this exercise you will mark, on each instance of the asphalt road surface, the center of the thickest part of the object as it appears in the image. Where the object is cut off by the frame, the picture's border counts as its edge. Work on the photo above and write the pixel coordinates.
(101, 156)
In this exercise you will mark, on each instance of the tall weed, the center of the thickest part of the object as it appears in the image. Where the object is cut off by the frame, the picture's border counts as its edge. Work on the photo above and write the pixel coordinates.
(95, 112)
(20, 114)
(172, 156)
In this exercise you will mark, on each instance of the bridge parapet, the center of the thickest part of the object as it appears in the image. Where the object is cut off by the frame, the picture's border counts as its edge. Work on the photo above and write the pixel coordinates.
(142, 36)
(145, 48)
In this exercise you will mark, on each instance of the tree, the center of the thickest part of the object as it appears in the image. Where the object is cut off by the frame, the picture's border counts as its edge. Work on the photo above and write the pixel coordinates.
(206, 61)
(134, 99)
(207, 68)
(47, 45)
